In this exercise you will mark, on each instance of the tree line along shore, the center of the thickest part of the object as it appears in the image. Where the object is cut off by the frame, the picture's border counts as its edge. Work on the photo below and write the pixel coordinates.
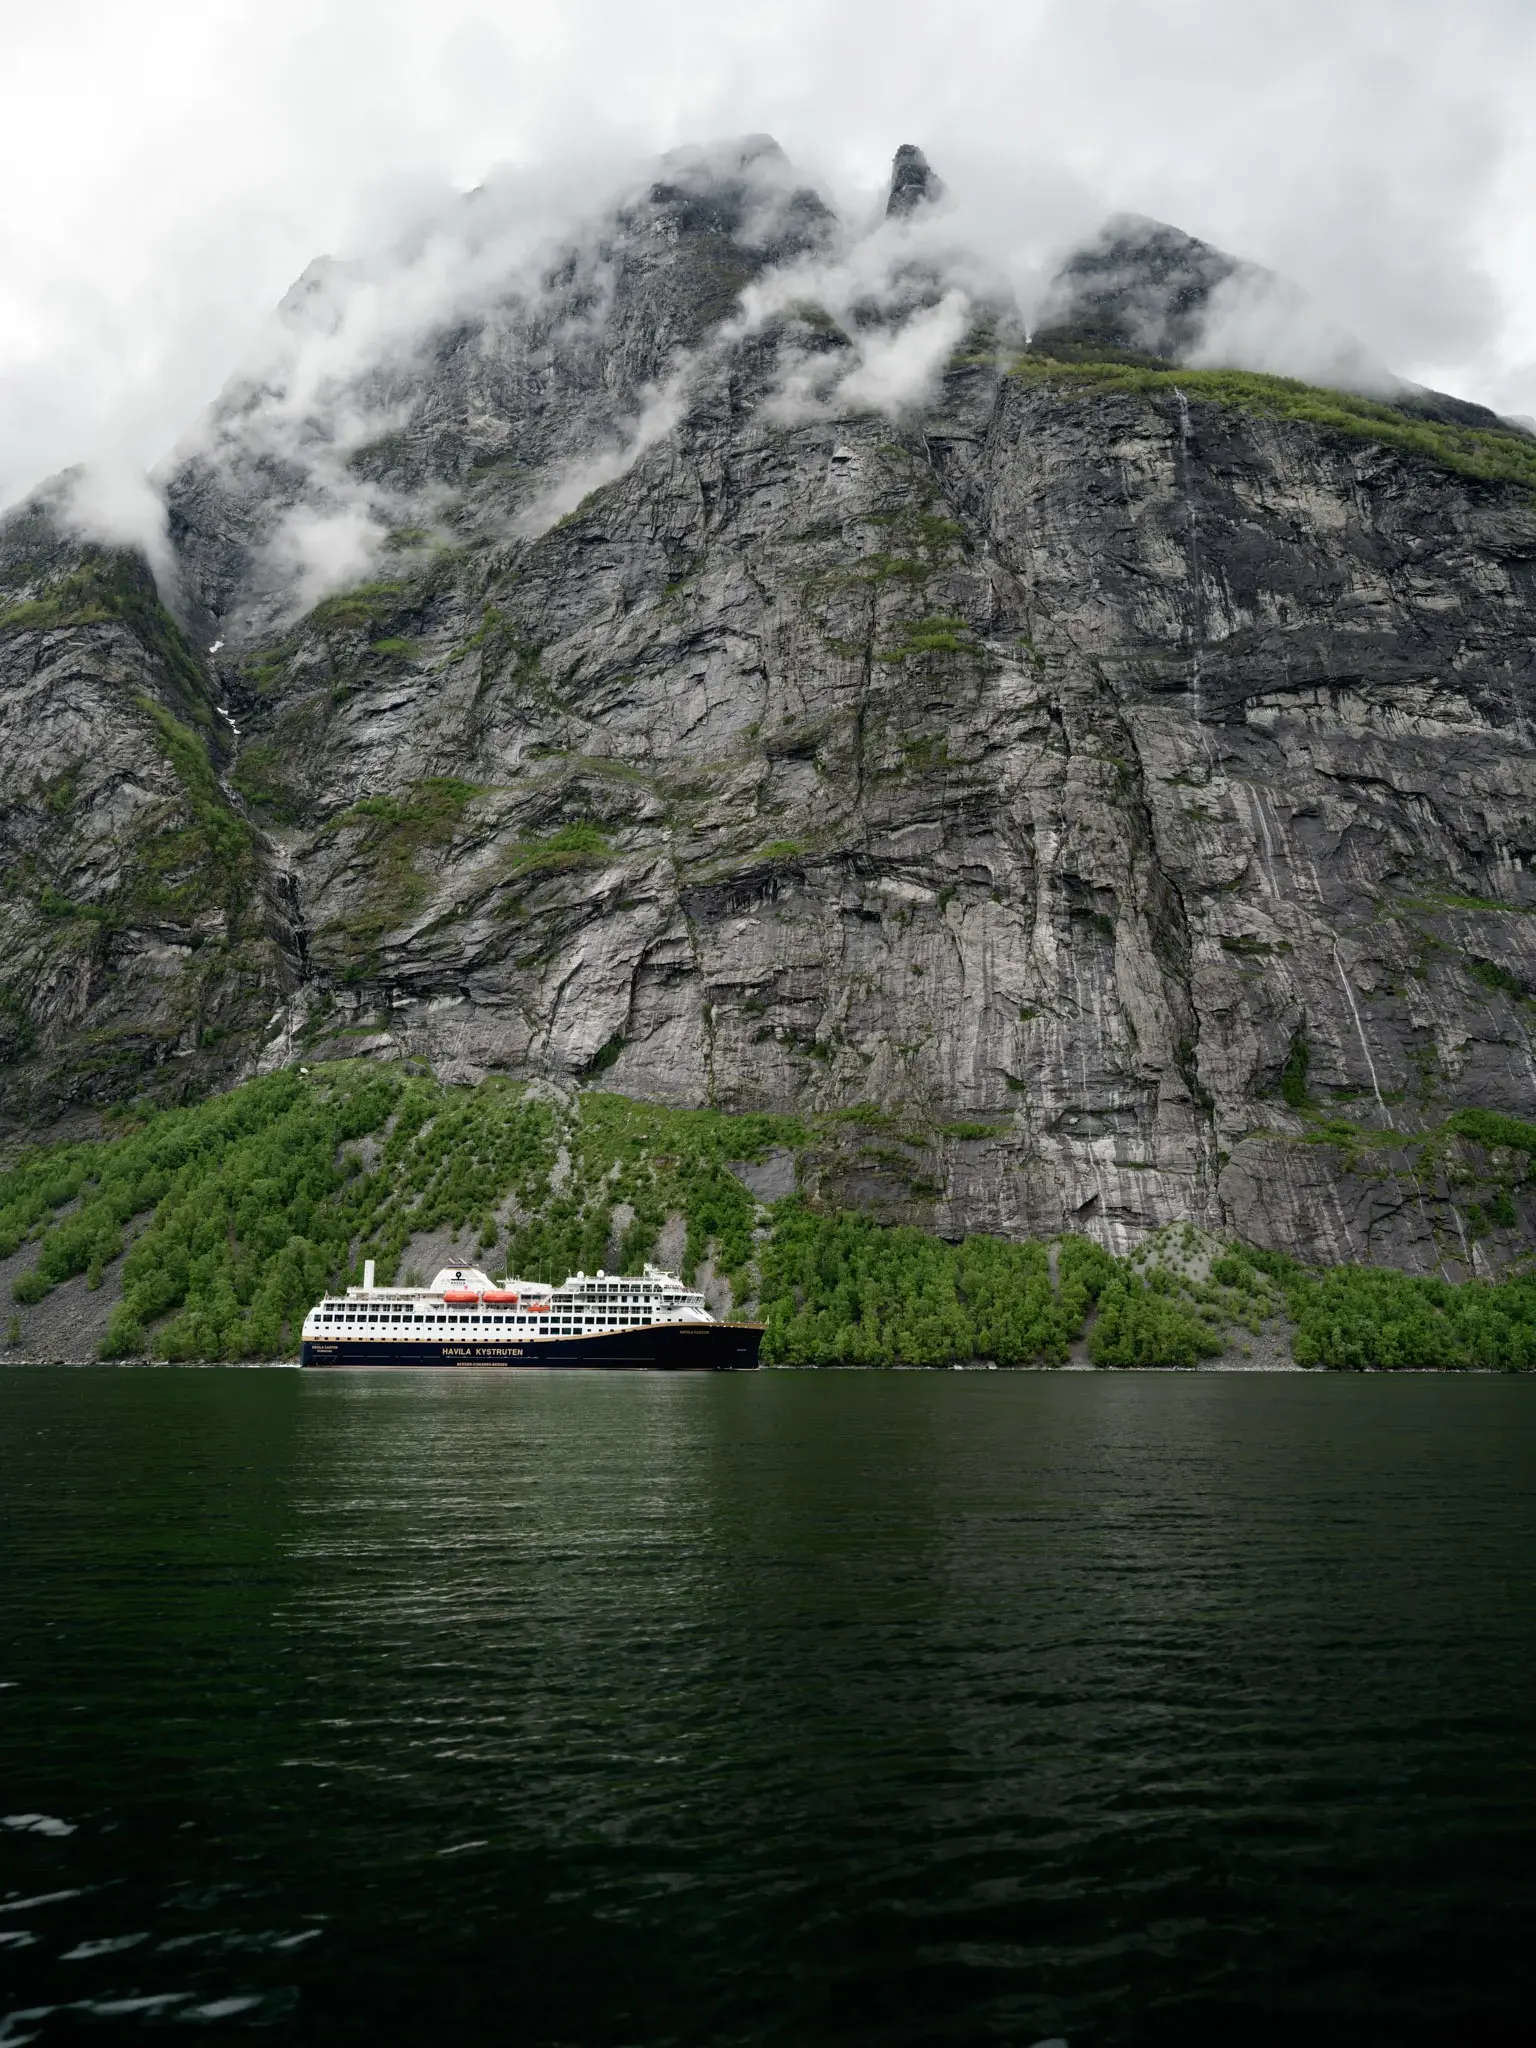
(221, 1222)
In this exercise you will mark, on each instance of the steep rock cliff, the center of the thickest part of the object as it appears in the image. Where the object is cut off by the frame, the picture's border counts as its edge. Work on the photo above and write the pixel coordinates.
(135, 931)
(1131, 791)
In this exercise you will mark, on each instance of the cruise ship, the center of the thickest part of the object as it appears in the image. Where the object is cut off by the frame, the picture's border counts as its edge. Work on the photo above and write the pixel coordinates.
(464, 1318)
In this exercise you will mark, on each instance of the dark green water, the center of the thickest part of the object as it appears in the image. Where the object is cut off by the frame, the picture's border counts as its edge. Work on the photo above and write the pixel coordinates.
(788, 1709)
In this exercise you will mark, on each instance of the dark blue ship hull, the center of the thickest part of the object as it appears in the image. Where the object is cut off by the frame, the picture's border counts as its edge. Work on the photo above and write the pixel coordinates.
(659, 1347)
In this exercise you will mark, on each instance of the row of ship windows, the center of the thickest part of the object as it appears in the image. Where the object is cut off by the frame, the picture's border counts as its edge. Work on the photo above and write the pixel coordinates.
(402, 1322)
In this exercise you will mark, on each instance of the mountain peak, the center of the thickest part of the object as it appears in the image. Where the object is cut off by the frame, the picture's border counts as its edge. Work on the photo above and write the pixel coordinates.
(914, 183)
(1139, 285)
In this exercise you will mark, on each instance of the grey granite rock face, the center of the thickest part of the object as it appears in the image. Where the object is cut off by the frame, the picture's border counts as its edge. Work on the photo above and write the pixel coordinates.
(914, 182)
(136, 936)
(1061, 773)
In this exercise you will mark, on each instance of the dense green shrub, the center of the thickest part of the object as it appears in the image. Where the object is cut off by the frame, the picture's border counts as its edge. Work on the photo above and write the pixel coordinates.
(1355, 1317)
(1085, 1269)
(1144, 1322)
(1293, 1075)
(360, 609)
(246, 1232)
(1373, 1318)
(843, 1290)
(1489, 1127)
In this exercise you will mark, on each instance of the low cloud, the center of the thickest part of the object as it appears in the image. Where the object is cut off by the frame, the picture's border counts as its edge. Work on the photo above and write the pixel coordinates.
(1257, 321)
(337, 372)
(1380, 156)
(294, 443)
(523, 265)
(658, 416)
(896, 368)
(114, 503)
(900, 366)
(1383, 217)
(315, 551)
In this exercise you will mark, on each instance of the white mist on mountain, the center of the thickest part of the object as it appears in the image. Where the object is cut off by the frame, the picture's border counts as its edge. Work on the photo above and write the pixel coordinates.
(347, 355)
(660, 413)
(899, 368)
(1257, 321)
(899, 289)
(339, 368)
(320, 548)
(168, 170)
(896, 367)
(347, 358)
(112, 502)
(866, 283)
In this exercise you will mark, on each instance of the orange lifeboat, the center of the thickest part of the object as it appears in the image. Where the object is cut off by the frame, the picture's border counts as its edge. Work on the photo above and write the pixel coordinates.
(538, 1308)
(459, 1295)
(500, 1297)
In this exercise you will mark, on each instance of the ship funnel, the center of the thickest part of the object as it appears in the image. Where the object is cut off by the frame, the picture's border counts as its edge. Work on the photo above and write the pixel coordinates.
(368, 1275)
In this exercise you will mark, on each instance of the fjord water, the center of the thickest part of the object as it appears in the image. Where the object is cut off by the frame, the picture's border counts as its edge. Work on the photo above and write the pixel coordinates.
(792, 1708)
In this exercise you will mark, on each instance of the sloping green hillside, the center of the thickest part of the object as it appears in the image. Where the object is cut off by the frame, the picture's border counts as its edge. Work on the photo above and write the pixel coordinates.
(1492, 456)
(232, 1216)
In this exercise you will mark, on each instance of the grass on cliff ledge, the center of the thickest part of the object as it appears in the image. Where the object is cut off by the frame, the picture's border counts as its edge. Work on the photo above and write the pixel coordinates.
(1484, 453)
(231, 1217)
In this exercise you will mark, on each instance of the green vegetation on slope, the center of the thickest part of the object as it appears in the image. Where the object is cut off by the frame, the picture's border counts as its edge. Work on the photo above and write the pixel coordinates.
(234, 1215)
(395, 833)
(209, 861)
(249, 1206)
(104, 585)
(842, 1290)
(1491, 1127)
(362, 608)
(1354, 1317)
(935, 633)
(1470, 451)
(115, 585)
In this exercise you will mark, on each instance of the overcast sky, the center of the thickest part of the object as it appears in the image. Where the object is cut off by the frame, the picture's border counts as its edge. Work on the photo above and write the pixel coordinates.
(169, 166)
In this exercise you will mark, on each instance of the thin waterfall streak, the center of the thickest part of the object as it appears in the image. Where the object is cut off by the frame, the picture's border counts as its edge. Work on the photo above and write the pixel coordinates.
(1317, 880)
(1338, 1206)
(1255, 805)
(1349, 997)
(1466, 1250)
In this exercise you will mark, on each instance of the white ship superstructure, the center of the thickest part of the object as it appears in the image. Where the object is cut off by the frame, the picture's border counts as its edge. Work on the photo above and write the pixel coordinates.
(466, 1318)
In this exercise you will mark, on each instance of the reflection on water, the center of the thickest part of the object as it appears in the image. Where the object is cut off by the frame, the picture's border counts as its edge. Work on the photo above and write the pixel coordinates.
(784, 1709)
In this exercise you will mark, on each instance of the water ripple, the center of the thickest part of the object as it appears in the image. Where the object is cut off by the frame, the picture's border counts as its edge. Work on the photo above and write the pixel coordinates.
(796, 1709)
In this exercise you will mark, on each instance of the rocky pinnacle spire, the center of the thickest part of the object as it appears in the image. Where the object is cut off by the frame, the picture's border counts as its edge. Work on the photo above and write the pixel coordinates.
(913, 182)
